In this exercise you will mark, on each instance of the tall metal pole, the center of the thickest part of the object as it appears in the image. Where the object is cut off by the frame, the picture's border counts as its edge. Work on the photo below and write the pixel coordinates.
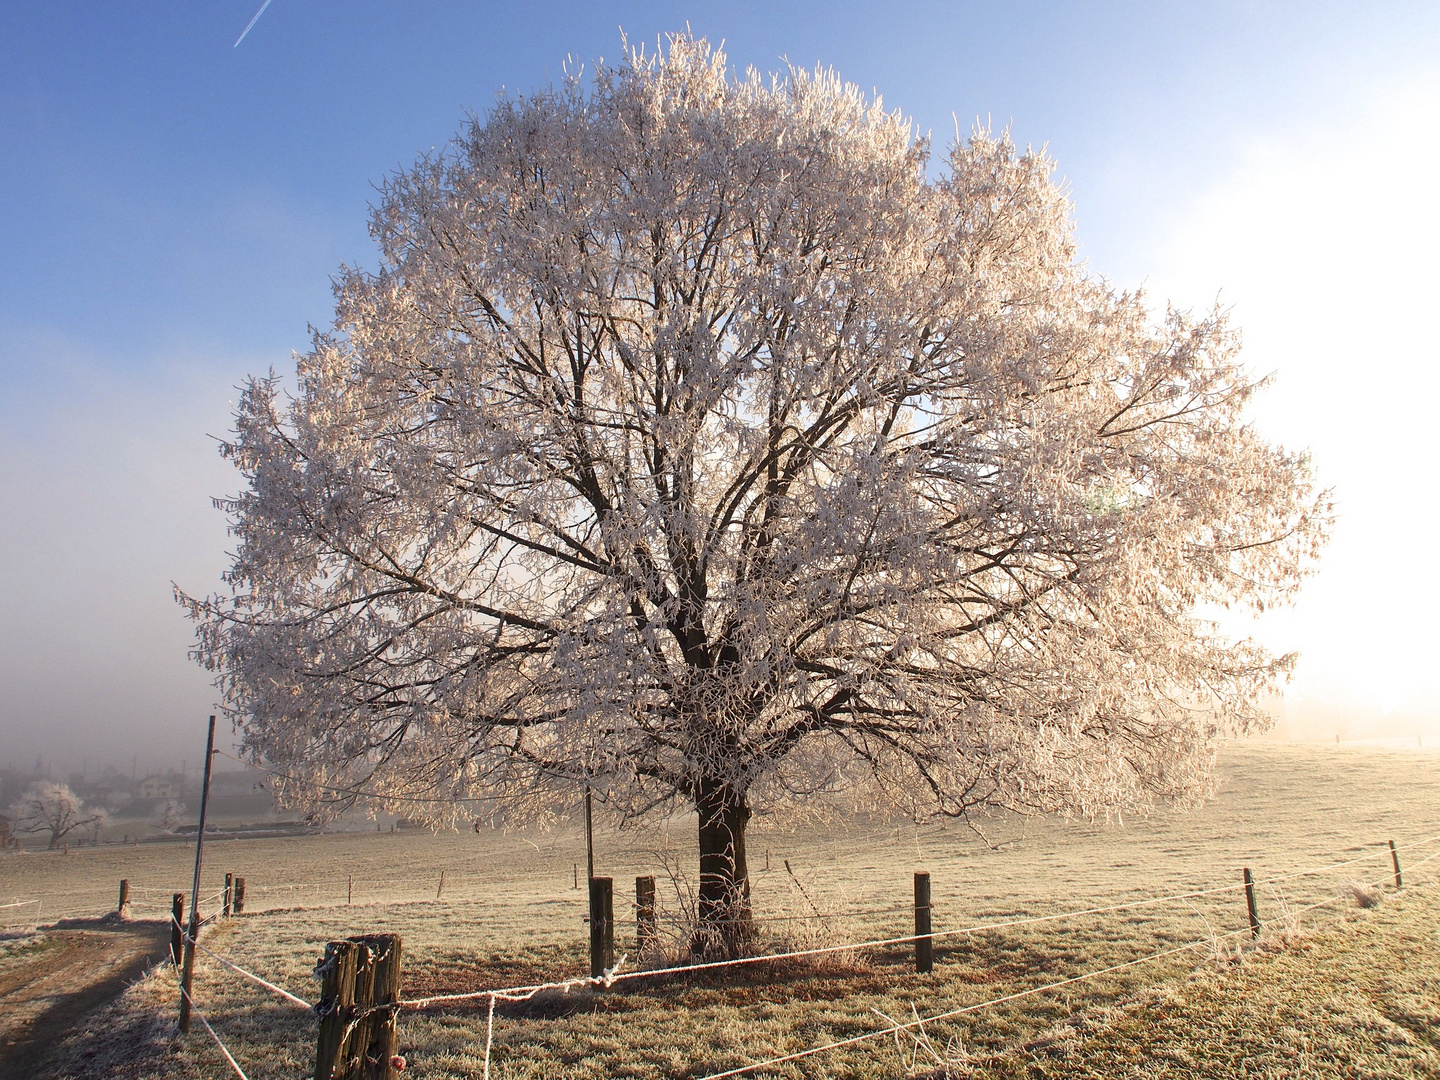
(187, 977)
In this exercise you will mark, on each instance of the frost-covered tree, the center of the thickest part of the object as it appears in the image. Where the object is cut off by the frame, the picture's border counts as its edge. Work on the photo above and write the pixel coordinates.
(52, 807)
(168, 815)
(692, 442)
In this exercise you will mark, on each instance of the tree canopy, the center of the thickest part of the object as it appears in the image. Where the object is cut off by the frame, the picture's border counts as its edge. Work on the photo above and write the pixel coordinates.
(51, 807)
(691, 441)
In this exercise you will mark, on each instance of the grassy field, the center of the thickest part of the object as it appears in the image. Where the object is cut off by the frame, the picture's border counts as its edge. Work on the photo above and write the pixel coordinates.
(1358, 999)
(510, 915)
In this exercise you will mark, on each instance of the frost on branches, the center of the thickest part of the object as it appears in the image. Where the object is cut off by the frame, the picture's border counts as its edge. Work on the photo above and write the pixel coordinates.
(51, 807)
(691, 443)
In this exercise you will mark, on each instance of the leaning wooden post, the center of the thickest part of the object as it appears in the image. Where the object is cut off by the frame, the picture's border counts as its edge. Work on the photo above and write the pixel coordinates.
(924, 943)
(1395, 861)
(439, 891)
(645, 934)
(124, 901)
(602, 925)
(229, 896)
(177, 922)
(1250, 904)
(239, 895)
(336, 1008)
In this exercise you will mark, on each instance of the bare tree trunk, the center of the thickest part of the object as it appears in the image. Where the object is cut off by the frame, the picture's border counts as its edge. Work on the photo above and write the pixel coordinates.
(725, 926)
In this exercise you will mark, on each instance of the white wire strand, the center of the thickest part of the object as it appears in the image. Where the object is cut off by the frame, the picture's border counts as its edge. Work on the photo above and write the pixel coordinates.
(223, 1049)
(921, 1021)
(256, 978)
(906, 939)
(610, 976)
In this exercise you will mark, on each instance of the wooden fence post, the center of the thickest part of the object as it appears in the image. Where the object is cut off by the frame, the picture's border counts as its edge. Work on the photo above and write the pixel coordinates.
(336, 1009)
(349, 887)
(228, 899)
(441, 889)
(239, 895)
(924, 943)
(1395, 860)
(377, 1036)
(602, 925)
(1250, 904)
(124, 896)
(358, 1037)
(177, 920)
(645, 934)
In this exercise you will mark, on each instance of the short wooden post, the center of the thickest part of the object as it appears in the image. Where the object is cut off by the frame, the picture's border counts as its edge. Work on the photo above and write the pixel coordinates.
(645, 934)
(336, 1009)
(177, 921)
(376, 1038)
(359, 1038)
(924, 943)
(349, 887)
(1250, 903)
(239, 895)
(228, 899)
(602, 925)
(575, 877)
(441, 889)
(124, 896)
(1395, 861)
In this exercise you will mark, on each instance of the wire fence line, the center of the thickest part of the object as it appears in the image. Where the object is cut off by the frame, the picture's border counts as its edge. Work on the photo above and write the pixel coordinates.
(462, 885)
(613, 977)
(904, 939)
(520, 994)
(70, 905)
(1210, 941)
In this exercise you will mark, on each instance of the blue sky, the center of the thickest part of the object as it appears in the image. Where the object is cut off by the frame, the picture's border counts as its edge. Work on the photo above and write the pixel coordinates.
(174, 207)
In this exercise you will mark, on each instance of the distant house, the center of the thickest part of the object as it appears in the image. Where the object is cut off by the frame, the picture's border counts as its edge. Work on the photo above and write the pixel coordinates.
(158, 787)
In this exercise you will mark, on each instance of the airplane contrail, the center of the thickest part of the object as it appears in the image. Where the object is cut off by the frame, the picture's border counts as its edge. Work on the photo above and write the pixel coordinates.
(252, 22)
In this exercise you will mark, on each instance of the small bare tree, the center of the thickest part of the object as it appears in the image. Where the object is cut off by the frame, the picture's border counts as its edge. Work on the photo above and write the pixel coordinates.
(52, 807)
(694, 444)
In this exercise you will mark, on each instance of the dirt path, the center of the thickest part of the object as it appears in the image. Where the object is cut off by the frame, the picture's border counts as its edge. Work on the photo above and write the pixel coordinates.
(47, 989)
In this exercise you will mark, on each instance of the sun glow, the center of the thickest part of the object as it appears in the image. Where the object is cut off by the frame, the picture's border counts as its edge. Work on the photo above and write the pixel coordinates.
(1325, 248)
